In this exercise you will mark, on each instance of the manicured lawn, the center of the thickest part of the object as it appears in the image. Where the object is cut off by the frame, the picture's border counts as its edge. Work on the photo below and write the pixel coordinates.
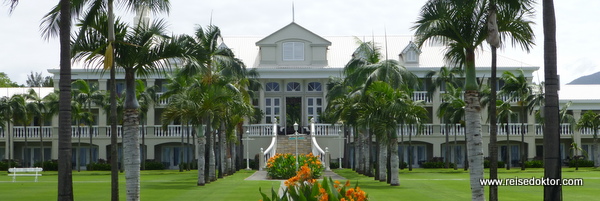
(441, 184)
(420, 184)
(155, 185)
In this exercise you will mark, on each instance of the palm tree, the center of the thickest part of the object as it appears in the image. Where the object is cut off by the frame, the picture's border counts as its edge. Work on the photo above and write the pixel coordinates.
(452, 111)
(147, 51)
(591, 120)
(147, 98)
(44, 108)
(34, 80)
(552, 163)
(517, 87)
(439, 79)
(8, 107)
(87, 94)
(458, 24)
(504, 112)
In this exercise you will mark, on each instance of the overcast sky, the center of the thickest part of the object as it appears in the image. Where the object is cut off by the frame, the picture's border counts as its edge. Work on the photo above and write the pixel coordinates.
(23, 50)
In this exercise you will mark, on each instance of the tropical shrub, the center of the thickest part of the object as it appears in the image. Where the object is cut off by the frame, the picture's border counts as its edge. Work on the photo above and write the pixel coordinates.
(153, 165)
(303, 186)
(98, 166)
(436, 165)
(581, 163)
(534, 164)
(283, 166)
(4, 165)
(486, 164)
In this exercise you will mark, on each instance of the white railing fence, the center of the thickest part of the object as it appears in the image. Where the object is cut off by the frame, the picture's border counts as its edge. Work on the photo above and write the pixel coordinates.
(31, 132)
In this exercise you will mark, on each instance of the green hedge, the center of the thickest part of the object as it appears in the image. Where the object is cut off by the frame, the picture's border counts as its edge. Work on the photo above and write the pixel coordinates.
(436, 165)
(486, 164)
(48, 165)
(581, 162)
(153, 165)
(534, 164)
(4, 165)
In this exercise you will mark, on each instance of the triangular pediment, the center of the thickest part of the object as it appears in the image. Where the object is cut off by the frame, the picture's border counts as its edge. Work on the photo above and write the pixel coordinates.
(293, 31)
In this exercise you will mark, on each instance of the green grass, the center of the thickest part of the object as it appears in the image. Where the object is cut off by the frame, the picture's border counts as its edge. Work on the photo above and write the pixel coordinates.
(155, 185)
(419, 184)
(449, 184)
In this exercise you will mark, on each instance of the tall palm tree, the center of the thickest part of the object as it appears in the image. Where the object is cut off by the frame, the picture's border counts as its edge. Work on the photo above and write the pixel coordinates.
(87, 94)
(439, 79)
(452, 111)
(147, 98)
(147, 51)
(8, 107)
(45, 107)
(518, 89)
(591, 120)
(214, 64)
(459, 25)
(552, 162)
(504, 112)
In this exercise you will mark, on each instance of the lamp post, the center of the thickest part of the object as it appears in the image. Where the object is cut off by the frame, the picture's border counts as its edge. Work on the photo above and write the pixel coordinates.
(296, 139)
(247, 138)
(340, 138)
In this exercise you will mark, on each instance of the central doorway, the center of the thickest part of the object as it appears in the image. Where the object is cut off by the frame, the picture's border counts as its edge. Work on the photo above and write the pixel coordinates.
(293, 114)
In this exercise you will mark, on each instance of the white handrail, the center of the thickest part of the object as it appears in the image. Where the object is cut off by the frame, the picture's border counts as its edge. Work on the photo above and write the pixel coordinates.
(316, 149)
(271, 150)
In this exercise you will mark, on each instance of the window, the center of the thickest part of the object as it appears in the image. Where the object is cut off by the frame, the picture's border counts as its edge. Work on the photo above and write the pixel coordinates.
(314, 86)
(293, 51)
(314, 107)
(411, 56)
(272, 86)
(293, 86)
(272, 109)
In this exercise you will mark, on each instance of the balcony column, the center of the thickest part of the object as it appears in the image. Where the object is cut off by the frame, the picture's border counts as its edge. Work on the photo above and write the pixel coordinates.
(102, 85)
(261, 102)
(151, 113)
(436, 100)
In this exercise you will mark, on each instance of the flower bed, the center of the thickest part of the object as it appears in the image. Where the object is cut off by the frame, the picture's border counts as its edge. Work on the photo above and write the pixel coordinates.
(283, 166)
(303, 186)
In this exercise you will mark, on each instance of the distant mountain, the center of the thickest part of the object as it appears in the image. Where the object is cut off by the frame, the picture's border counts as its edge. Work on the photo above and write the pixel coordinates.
(588, 79)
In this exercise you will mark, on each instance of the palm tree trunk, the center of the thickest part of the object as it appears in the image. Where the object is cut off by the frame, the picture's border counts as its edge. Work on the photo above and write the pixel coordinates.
(201, 160)
(211, 153)
(65, 179)
(523, 154)
(143, 162)
(78, 151)
(368, 144)
(131, 145)
(187, 147)
(410, 154)
(508, 154)
(493, 146)
(597, 152)
(181, 164)
(26, 159)
(394, 179)
(455, 151)
(474, 143)
(42, 142)
(447, 148)
(222, 164)
(402, 145)
(382, 160)
(114, 157)
(552, 162)
(91, 132)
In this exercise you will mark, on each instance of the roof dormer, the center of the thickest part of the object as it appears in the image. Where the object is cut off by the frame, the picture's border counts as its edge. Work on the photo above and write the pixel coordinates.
(293, 45)
(410, 55)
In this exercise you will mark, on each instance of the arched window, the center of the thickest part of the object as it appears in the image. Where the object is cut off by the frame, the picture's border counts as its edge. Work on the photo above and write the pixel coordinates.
(272, 86)
(314, 86)
(293, 86)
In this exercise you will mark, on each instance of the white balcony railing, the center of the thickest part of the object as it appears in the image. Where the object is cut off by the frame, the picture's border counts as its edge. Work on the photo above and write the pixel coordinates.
(421, 95)
(31, 132)
(259, 129)
(328, 129)
(425, 129)
(564, 129)
(511, 129)
(84, 131)
(453, 129)
(161, 101)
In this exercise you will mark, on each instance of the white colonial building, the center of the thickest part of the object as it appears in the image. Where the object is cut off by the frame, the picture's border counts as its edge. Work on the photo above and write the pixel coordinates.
(295, 65)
